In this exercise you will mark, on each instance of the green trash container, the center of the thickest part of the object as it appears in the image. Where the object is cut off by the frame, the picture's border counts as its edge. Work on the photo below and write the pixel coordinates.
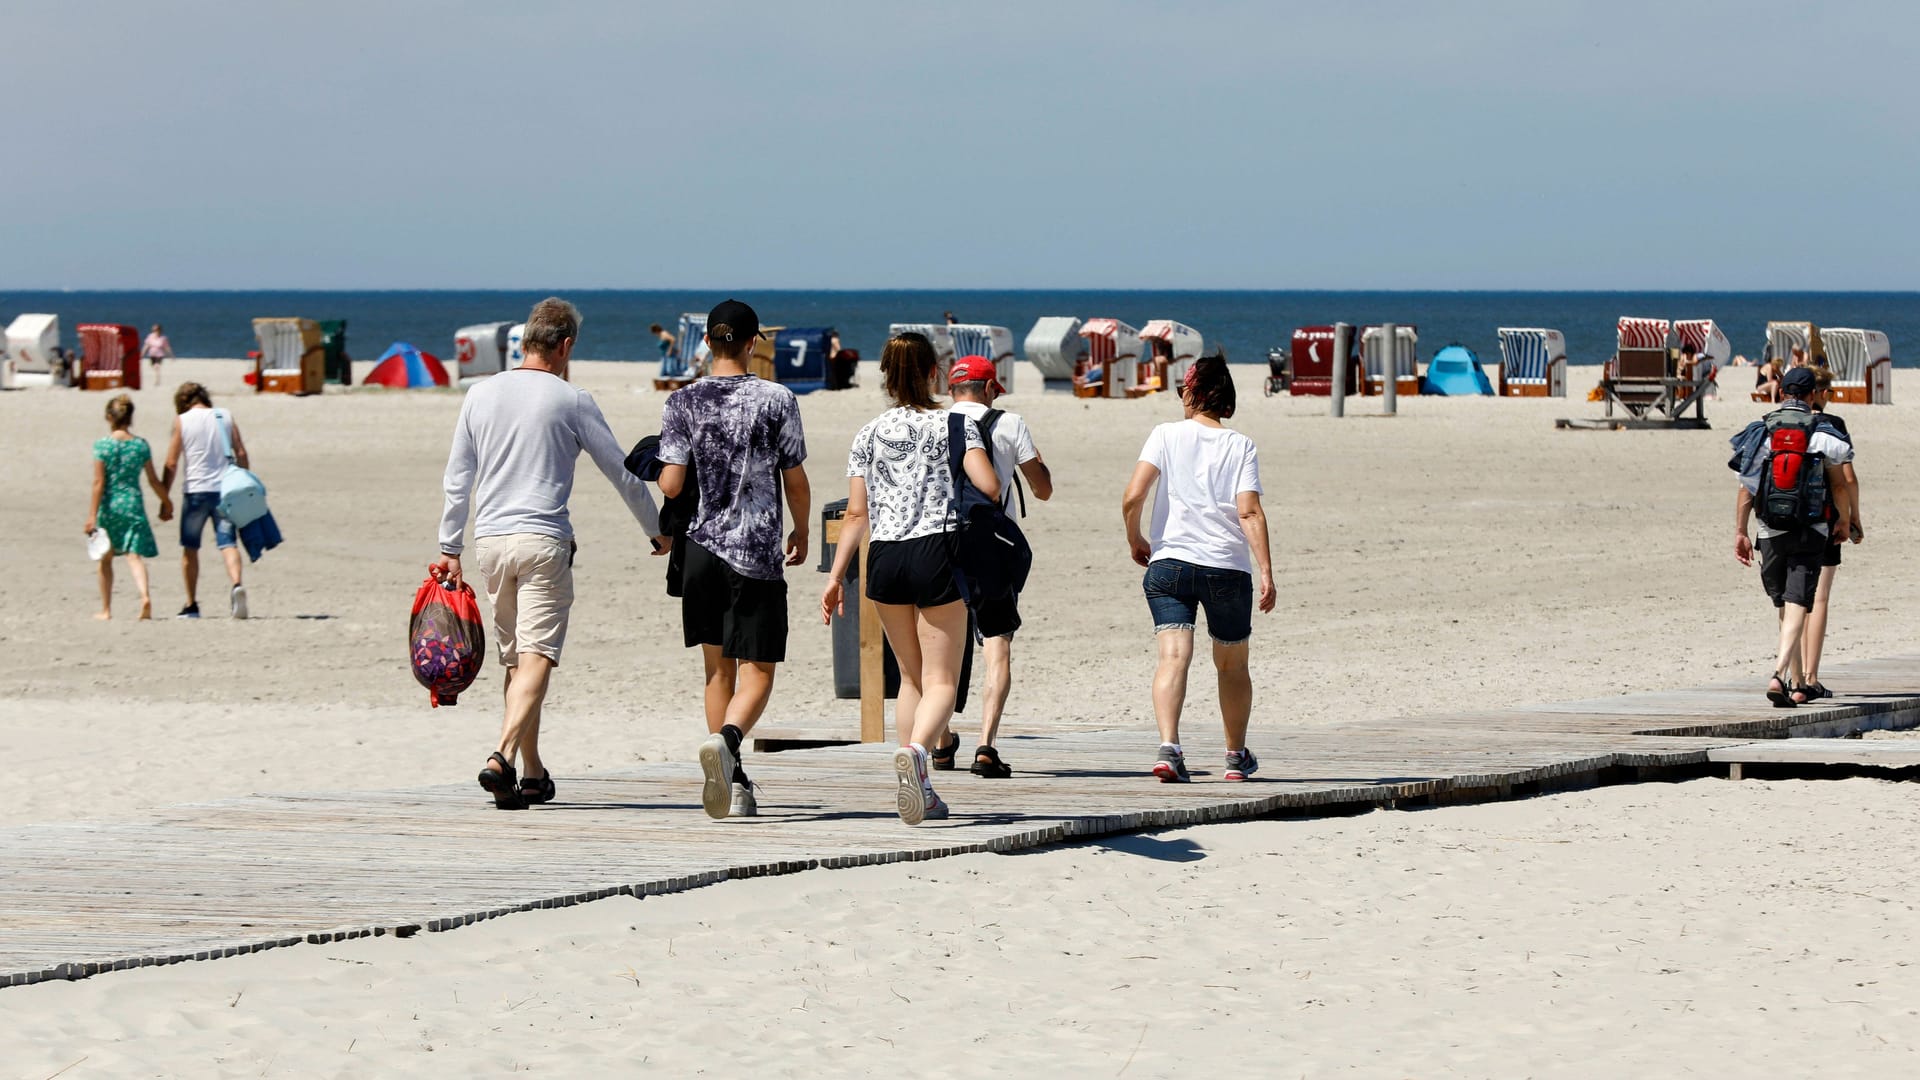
(333, 339)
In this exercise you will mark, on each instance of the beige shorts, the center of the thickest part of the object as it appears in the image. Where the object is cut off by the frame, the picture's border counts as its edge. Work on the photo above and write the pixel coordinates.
(529, 581)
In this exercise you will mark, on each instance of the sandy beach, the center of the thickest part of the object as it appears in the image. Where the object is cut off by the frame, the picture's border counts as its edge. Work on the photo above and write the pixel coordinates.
(1461, 553)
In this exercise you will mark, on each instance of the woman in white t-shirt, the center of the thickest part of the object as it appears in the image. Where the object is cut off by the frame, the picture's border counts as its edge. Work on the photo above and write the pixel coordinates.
(1209, 535)
(899, 480)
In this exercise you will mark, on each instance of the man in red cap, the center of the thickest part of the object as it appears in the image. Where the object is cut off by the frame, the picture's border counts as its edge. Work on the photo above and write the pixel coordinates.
(975, 385)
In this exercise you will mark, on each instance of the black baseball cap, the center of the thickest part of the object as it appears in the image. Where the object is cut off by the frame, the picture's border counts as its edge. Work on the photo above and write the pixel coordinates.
(1798, 381)
(737, 317)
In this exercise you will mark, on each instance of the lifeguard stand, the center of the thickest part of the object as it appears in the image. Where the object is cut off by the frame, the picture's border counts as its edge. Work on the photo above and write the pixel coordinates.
(1111, 367)
(112, 353)
(993, 342)
(1862, 365)
(1311, 363)
(1054, 346)
(1406, 359)
(292, 356)
(1533, 362)
(481, 349)
(1643, 380)
(1176, 343)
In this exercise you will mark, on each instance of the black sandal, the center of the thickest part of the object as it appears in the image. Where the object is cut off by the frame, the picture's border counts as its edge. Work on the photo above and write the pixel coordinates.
(502, 784)
(1816, 690)
(537, 791)
(1779, 693)
(992, 768)
(941, 758)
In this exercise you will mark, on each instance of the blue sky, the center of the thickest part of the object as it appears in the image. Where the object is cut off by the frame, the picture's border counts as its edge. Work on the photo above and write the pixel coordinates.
(1042, 144)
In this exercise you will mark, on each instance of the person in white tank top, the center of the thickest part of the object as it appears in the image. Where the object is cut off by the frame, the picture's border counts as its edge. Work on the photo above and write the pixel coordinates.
(197, 452)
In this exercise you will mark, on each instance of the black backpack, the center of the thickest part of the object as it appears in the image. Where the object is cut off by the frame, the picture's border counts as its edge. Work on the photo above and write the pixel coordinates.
(990, 553)
(1793, 481)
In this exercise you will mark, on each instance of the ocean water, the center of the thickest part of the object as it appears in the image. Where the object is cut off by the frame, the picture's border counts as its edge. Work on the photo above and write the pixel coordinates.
(219, 323)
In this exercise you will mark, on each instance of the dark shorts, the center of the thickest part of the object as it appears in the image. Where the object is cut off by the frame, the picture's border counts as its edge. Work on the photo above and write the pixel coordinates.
(1790, 576)
(194, 516)
(745, 617)
(1177, 592)
(917, 572)
(998, 617)
(1831, 556)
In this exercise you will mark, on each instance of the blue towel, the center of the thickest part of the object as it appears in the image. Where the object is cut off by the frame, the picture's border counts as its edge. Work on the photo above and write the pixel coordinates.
(260, 535)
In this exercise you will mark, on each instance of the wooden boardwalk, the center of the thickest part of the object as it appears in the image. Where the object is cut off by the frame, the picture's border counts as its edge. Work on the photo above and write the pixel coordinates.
(220, 879)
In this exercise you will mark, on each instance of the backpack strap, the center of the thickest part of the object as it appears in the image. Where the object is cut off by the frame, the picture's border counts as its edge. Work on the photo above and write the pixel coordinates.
(986, 424)
(223, 422)
(956, 454)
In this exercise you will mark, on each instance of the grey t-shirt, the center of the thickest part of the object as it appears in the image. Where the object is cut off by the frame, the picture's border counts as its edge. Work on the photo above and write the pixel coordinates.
(739, 433)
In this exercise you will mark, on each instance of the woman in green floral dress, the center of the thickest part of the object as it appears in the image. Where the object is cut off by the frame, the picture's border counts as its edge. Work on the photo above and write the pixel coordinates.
(118, 506)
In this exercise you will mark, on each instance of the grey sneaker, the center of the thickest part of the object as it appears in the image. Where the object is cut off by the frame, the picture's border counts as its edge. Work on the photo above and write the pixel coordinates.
(744, 804)
(914, 791)
(717, 762)
(1241, 764)
(936, 806)
(1172, 766)
(237, 602)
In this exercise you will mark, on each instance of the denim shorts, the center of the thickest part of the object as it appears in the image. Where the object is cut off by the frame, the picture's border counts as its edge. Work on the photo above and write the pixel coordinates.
(193, 521)
(1176, 591)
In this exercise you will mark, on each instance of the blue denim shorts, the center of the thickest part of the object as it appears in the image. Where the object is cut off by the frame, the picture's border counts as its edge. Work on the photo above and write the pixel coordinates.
(1177, 591)
(193, 521)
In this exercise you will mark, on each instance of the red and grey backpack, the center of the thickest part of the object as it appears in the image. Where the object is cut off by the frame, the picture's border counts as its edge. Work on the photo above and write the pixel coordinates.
(1793, 483)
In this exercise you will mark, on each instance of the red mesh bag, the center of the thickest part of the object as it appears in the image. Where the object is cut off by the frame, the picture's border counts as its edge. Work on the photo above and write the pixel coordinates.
(447, 640)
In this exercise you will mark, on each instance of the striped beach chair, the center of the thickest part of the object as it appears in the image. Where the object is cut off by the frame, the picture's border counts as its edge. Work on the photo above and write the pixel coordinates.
(1111, 367)
(1533, 362)
(993, 342)
(1182, 345)
(1862, 365)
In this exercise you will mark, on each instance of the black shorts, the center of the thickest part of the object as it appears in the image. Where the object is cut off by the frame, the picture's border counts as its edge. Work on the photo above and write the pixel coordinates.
(917, 572)
(998, 617)
(746, 617)
(1831, 556)
(1789, 576)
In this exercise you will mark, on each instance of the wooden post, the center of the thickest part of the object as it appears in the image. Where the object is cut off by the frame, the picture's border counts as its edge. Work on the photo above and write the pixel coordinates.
(873, 667)
(1342, 342)
(1390, 368)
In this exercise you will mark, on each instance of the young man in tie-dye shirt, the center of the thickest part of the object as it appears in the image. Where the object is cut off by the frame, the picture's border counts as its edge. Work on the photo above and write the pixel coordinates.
(741, 438)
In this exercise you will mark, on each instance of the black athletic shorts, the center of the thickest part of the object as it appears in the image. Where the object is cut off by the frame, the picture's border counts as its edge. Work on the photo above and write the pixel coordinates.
(746, 617)
(1831, 556)
(917, 572)
(1789, 576)
(998, 617)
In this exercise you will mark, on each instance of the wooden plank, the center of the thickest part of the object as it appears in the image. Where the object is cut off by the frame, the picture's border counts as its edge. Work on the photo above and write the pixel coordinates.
(1874, 753)
(873, 682)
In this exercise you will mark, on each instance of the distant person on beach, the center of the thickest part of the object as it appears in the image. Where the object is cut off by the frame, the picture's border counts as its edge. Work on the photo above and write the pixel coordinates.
(156, 349)
(1209, 536)
(975, 386)
(197, 448)
(665, 339)
(514, 450)
(1815, 637)
(1766, 381)
(742, 437)
(118, 460)
(1799, 358)
(1790, 558)
(952, 319)
(900, 488)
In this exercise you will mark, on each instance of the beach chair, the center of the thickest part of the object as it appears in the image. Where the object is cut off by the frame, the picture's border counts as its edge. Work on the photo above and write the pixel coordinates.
(1111, 367)
(1861, 362)
(1643, 378)
(1784, 337)
(112, 356)
(942, 339)
(677, 368)
(1055, 347)
(1179, 343)
(481, 349)
(1406, 359)
(292, 356)
(1533, 362)
(1711, 349)
(993, 342)
(515, 354)
(1311, 367)
(800, 357)
(31, 341)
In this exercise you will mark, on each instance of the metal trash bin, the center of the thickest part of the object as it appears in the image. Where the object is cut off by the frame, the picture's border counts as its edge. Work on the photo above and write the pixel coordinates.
(846, 627)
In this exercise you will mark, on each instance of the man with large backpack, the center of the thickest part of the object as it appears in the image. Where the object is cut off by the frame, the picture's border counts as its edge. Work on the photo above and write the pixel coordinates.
(1792, 480)
(974, 385)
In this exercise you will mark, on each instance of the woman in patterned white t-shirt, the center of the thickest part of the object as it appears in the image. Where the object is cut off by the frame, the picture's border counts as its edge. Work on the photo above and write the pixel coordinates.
(900, 487)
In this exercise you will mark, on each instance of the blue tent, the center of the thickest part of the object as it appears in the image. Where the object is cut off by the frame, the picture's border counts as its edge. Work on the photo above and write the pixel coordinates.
(800, 357)
(1455, 372)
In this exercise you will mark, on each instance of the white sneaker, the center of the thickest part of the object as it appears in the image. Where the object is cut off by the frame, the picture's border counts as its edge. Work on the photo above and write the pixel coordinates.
(237, 602)
(744, 803)
(717, 763)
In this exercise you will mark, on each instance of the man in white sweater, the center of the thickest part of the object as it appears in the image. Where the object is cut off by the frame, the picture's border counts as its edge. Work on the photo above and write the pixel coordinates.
(513, 456)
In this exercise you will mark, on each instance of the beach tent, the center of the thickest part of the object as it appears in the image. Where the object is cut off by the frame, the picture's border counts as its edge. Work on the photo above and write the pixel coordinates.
(1406, 359)
(1784, 337)
(1862, 365)
(1312, 361)
(1455, 372)
(404, 367)
(481, 349)
(292, 356)
(1180, 343)
(31, 340)
(1111, 366)
(1055, 347)
(681, 366)
(993, 342)
(1533, 362)
(112, 352)
(800, 357)
(336, 365)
